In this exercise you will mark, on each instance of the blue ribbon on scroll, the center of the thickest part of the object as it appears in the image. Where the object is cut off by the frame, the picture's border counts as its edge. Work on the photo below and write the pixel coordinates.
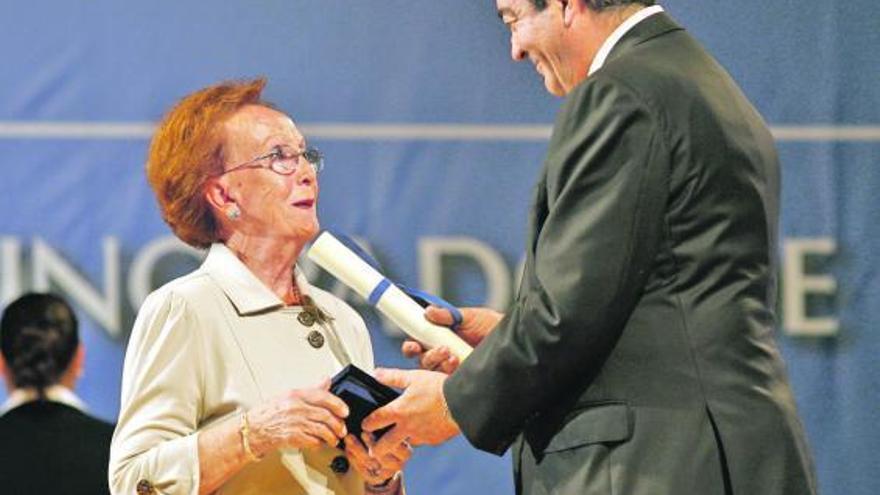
(377, 292)
(421, 297)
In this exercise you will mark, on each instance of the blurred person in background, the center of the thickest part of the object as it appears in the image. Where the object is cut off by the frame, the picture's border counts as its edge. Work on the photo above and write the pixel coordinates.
(48, 442)
(225, 384)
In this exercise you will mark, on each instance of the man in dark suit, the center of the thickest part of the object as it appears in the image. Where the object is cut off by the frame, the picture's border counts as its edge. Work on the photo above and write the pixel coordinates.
(48, 444)
(638, 356)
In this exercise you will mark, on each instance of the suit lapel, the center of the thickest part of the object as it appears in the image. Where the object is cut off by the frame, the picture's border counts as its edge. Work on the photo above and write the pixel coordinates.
(537, 215)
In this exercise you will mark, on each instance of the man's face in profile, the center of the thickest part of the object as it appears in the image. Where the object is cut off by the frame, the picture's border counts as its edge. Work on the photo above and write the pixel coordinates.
(537, 35)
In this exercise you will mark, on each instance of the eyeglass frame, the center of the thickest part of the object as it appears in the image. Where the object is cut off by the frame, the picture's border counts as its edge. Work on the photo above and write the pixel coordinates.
(314, 157)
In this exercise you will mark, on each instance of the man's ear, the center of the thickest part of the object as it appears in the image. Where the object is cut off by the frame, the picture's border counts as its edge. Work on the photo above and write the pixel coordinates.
(570, 10)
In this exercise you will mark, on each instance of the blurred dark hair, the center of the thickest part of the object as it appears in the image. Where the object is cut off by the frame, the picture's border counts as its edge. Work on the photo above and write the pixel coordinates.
(597, 5)
(38, 338)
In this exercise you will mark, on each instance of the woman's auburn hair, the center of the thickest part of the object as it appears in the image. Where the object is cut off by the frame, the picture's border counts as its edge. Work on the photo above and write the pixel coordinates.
(187, 149)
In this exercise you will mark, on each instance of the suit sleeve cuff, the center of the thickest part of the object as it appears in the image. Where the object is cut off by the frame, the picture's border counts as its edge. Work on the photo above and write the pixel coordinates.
(474, 429)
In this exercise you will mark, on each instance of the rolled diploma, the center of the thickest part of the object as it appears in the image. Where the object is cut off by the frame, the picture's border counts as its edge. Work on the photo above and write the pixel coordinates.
(342, 263)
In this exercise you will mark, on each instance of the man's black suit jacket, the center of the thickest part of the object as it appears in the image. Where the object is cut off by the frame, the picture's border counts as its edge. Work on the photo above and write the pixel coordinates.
(48, 447)
(639, 356)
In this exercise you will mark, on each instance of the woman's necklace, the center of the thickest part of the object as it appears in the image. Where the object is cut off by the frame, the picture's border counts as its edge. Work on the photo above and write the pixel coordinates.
(297, 298)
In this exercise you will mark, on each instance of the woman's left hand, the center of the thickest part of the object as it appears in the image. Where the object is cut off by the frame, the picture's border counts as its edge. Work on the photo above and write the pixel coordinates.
(374, 470)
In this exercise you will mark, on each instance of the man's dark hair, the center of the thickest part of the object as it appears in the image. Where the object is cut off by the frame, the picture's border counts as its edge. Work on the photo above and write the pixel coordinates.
(598, 5)
(38, 338)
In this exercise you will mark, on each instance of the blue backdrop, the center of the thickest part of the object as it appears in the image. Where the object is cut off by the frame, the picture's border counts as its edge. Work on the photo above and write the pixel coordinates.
(433, 139)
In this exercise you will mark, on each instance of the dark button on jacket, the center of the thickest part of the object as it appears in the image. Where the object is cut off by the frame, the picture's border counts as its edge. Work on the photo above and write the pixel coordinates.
(316, 340)
(340, 464)
(144, 487)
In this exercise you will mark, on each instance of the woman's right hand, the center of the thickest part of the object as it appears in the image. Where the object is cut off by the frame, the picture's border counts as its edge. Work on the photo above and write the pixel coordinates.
(301, 419)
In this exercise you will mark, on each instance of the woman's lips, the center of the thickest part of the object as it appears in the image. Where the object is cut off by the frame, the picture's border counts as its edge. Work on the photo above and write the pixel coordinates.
(304, 203)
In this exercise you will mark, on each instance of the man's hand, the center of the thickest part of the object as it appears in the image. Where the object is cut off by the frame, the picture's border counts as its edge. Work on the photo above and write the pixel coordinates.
(476, 324)
(419, 416)
(375, 469)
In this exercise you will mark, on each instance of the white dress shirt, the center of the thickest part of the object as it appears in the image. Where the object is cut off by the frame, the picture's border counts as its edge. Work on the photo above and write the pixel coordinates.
(209, 345)
(617, 34)
(55, 393)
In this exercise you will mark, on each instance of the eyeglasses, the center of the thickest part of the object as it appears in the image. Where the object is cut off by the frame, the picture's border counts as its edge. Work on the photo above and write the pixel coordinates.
(283, 160)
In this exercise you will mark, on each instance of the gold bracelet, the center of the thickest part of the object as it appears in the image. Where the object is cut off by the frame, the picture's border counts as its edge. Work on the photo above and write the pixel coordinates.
(244, 429)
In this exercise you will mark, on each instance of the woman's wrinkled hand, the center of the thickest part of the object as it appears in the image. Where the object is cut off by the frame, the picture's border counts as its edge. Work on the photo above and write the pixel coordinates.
(300, 419)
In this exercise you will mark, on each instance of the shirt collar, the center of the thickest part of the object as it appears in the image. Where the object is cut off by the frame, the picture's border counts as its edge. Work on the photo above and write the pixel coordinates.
(246, 292)
(629, 23)
(55, 393)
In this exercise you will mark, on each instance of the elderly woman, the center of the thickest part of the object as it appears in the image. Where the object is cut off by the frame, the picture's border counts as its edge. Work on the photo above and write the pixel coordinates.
(225, 386)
